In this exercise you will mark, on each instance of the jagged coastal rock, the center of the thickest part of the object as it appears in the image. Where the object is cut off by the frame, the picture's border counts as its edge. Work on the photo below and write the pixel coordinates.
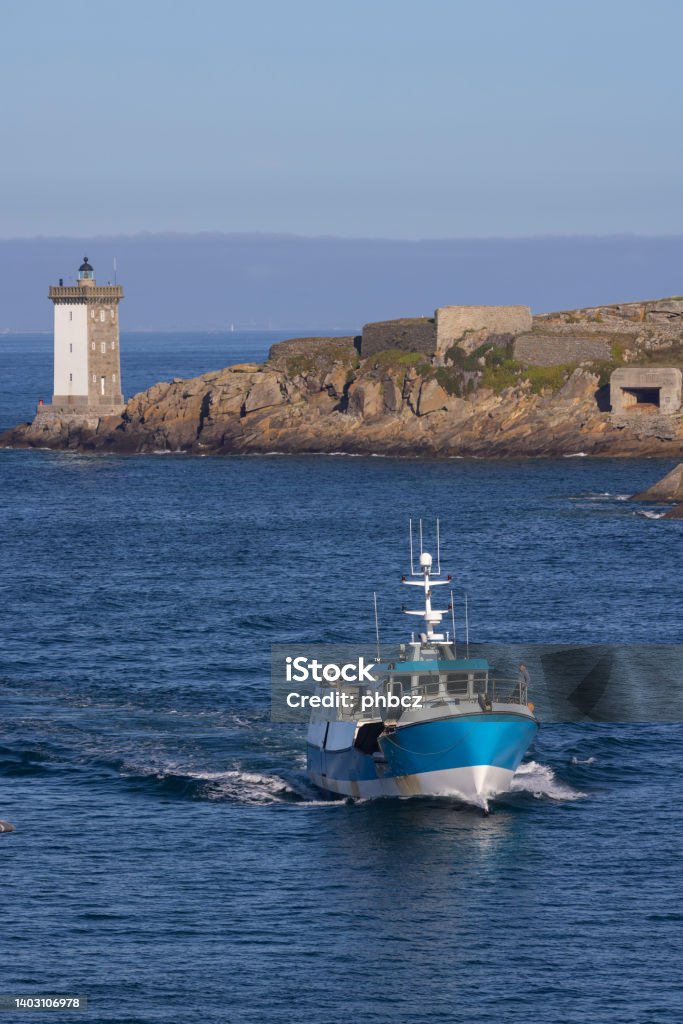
(667, 490)
(508, 385)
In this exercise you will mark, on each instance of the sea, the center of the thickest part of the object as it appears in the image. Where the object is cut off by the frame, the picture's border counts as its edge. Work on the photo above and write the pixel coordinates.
(171, 862)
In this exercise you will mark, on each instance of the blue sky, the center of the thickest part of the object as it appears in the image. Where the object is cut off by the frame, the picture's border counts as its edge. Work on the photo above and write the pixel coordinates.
(381, 118)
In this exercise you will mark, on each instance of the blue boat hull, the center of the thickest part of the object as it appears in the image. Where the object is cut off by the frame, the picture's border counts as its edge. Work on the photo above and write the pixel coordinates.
(472, 756)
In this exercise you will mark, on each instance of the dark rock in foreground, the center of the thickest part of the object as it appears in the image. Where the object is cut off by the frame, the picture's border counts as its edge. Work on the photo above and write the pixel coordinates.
(669, 488)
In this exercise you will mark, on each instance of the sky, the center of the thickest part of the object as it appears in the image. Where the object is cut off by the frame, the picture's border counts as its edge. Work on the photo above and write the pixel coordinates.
(392, 119)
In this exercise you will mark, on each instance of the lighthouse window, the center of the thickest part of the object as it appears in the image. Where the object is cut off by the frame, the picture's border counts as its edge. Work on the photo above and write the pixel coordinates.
(111, 312)
(71, 376)
(92, 314)
(94, 378)
(113, 378)
(103, 347)
(71, 315)
(102, 315)
(113, 345)
(92, 345)
(71, 348)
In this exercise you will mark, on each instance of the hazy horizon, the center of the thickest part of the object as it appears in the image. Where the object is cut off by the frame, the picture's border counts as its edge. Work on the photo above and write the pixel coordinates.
(208, 281)
(313, 237)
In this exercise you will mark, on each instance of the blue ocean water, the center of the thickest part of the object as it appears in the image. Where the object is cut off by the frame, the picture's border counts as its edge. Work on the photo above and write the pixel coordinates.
(170, 860)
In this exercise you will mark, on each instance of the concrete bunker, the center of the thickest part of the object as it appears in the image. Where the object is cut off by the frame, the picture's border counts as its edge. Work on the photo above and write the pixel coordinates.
(642, 391)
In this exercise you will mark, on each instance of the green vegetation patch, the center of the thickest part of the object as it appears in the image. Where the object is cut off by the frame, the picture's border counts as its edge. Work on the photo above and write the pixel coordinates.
(452, 381)
(494, 355)
(499, 371)
(550, 378)
(393, 359)
(506, 374)
(322, 354)
(511, 373)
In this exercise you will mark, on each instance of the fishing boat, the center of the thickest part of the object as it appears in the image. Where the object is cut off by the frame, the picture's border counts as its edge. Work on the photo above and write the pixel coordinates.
(431, 723)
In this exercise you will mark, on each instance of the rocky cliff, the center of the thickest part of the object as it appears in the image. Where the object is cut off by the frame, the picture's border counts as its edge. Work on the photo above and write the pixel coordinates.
(318, 395)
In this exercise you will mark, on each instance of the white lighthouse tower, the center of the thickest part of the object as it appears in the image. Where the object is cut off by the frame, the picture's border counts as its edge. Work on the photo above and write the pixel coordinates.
(87, 370)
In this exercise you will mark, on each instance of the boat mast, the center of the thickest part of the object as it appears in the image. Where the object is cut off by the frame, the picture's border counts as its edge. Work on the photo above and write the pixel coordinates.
(432, 616)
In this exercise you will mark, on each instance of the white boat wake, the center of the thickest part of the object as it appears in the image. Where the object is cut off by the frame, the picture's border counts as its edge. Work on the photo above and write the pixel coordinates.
(541, 781)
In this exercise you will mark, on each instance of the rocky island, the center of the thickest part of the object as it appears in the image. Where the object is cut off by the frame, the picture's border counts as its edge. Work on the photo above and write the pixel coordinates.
(470, 381)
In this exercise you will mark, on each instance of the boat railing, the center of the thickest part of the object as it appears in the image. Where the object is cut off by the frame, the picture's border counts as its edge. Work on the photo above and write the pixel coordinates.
(437, 689)
(499, 689)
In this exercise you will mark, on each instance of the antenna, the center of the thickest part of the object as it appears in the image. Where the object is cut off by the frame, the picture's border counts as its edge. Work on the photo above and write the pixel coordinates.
(412, 568)
(467, 627)
(114, 269)
(438, 550)
(374, 598)
(455, 646)
(420, 536)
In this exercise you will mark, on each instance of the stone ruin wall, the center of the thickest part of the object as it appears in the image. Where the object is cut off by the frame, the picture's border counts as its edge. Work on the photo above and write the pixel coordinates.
(579, 335)
(453, 323)
(540, 349)
(417, 335)
(450, 325)
(547, 339)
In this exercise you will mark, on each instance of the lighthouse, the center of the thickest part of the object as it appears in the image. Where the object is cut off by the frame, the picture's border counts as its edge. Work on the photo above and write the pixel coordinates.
(87, 362)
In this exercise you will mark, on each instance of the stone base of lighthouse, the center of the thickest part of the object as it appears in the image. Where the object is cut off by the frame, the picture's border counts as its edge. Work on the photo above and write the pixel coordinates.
(79, 410)
(49, 418)
(65, 428)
